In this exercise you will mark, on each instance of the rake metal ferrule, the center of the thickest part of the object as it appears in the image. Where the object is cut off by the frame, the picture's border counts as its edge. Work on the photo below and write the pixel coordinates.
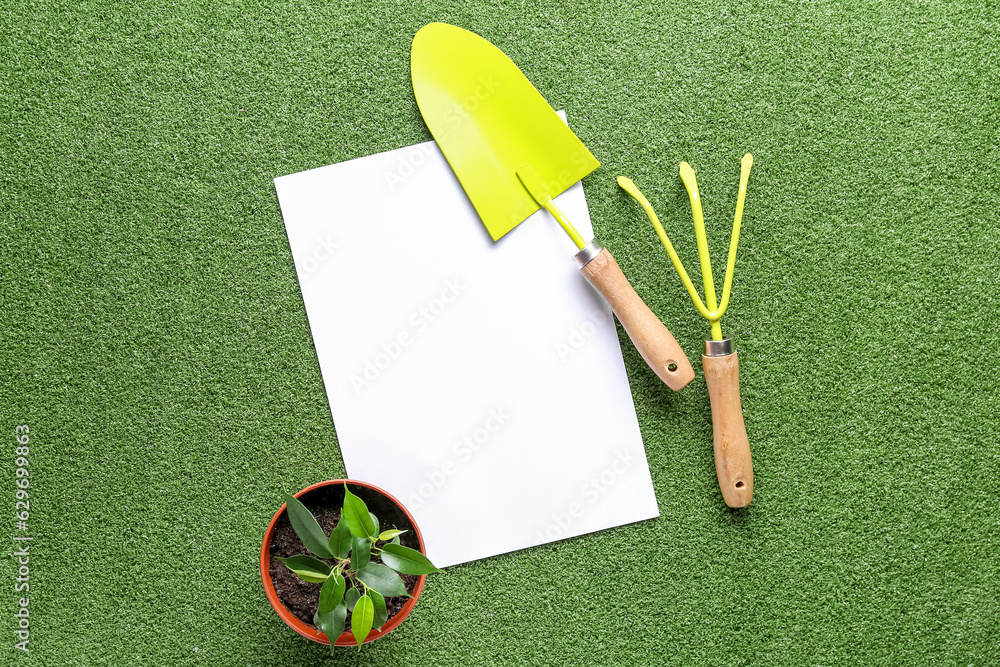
(718, 348)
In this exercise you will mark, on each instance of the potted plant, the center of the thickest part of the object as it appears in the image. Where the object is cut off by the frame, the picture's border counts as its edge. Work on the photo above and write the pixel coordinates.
(343, 560)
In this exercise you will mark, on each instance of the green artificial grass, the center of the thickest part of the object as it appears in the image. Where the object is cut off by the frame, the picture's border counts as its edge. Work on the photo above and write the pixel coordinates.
(155, 340)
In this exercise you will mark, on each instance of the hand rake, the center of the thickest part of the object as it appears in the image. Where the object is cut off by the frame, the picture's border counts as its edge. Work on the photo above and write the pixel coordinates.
(733, 464)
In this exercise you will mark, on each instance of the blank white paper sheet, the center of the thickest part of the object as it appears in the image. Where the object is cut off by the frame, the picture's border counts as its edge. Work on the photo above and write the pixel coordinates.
(480, 383)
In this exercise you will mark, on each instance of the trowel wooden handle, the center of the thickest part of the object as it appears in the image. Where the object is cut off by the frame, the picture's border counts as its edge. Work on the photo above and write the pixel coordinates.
(654, 342)
(733, 464)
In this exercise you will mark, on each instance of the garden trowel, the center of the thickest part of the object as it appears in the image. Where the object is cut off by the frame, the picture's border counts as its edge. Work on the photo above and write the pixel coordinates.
(513, 154)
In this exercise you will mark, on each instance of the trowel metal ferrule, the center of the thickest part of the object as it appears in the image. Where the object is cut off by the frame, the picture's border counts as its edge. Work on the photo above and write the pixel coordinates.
(589, 252)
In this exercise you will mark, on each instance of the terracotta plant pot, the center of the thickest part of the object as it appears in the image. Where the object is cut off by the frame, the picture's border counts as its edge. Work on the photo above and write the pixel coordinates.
(331, 494)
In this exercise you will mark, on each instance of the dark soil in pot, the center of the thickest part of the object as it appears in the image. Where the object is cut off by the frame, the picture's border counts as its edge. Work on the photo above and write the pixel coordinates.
(302, 597)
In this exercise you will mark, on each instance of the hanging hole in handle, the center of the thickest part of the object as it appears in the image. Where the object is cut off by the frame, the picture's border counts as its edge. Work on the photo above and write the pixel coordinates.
(672, 367)
(739, 485)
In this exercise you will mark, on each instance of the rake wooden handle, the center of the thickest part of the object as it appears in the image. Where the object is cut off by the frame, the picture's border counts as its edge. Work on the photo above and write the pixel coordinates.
(655, 343)
(733, 464)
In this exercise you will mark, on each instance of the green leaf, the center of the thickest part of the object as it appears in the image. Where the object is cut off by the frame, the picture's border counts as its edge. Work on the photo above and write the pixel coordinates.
(361, 553)
(359, 519)
(331, 594)
(334, 622)
(307, 568)
(382, 579)
(341, 540)
(381, 614)
(387, 535)
(351, 597)
(374, 533)
(307, 528)
(406, 560)
(362, 618)
(395, 540)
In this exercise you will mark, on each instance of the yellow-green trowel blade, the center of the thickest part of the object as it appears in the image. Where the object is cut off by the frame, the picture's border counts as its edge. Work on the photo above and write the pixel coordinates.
(489, 121)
